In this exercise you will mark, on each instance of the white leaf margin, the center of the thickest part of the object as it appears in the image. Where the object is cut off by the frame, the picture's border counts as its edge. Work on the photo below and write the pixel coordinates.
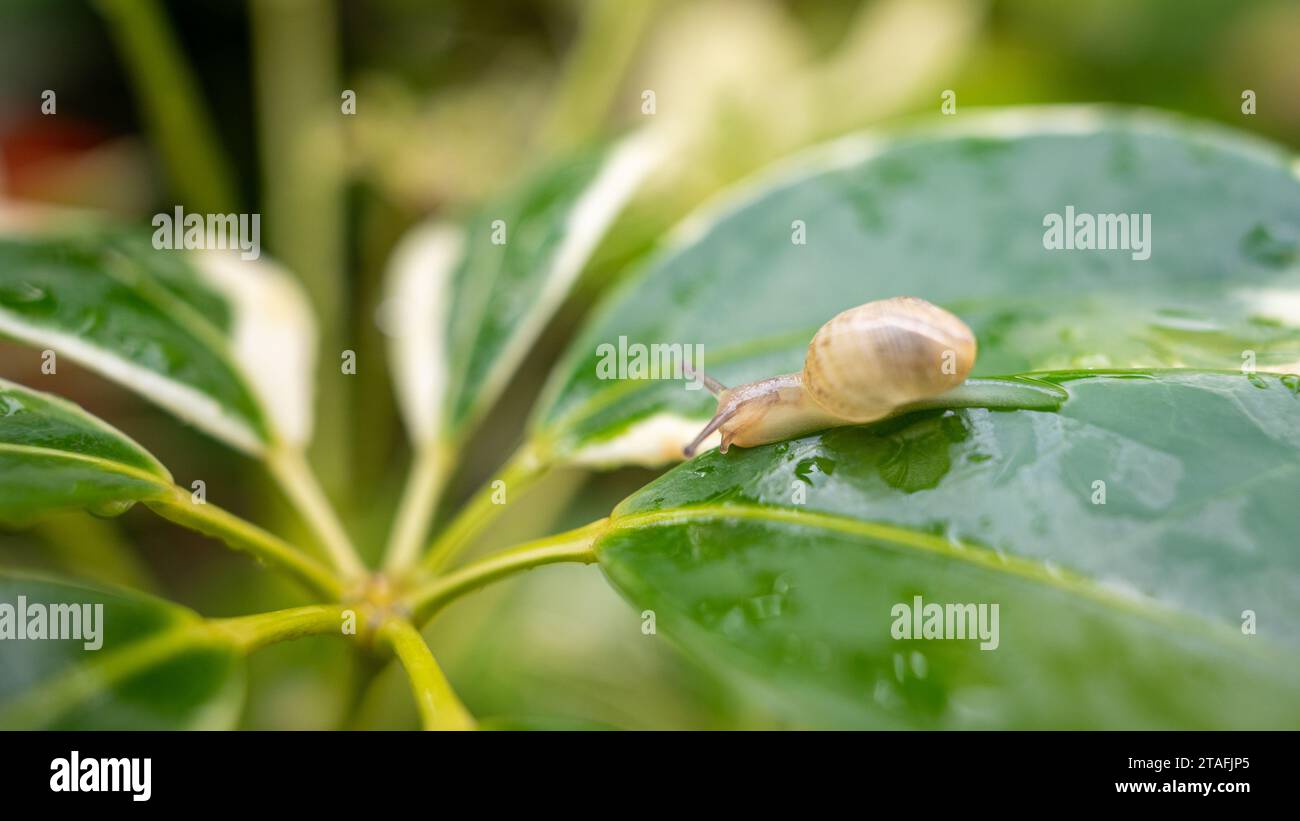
(272, 344)
(415, 309)
(273, 339)
(413, 316)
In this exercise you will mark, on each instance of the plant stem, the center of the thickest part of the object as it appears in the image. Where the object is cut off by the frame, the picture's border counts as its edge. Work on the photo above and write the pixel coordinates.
(303, 160)
(570, 546)
(39, 707)
(607, 42)
(299, 483)
(254, 632)
(439, 707)
(366, 668)
(96, 549)
(522, 470)
(168, 95)
(209, 519)
(419, 500)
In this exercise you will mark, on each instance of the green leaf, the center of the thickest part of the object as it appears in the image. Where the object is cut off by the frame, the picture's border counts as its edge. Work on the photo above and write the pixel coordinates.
(55, 456)
(159, 666)
(956, 215)
(463, 305)
(781, 566)
(224, 343)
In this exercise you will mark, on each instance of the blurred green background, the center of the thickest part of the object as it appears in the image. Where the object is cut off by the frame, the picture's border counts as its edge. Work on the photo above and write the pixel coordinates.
(455, 101)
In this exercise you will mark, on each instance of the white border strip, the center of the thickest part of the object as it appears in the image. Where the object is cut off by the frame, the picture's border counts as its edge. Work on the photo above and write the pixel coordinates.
(273, 339)
(626, 166)
(414, 317)
(185, 402)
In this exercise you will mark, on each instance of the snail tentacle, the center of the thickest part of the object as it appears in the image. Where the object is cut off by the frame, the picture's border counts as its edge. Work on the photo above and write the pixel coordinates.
(714, 423)
(712, 385)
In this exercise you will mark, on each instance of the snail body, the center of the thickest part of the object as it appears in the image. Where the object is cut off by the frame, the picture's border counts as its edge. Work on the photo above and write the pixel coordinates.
(862, 365)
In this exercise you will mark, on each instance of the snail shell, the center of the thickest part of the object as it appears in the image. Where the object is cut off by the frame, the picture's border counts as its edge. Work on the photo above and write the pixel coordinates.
(874, 358)
(862, 365)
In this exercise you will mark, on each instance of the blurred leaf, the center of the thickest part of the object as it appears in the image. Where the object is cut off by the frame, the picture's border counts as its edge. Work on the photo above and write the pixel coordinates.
(463, 306)
(96, 550)
(159, 667)
(1123, 614)
(55, 456)
(224, 343)
(956, 215)
(740, 84)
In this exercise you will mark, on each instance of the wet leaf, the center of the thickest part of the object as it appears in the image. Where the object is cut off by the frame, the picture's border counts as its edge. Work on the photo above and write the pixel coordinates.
(224, 343)
(55, 456)
(464, 304)
(956, 215)
(1126, 609)
(157, 665)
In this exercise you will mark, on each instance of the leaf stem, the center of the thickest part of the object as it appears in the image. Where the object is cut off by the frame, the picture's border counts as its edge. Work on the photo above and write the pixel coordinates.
(169, 97)
(254, 632)
(296, 478)
(295, 46)
(523, 470)
(439, 707)
(211, 520)
(607, 42)
(366, 668)
(419, 501)
(97, 549)
(570, 546)
(40, 706)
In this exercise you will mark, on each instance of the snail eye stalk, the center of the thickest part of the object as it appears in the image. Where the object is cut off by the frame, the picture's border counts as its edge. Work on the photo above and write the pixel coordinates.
(712, 385)
(714, 423)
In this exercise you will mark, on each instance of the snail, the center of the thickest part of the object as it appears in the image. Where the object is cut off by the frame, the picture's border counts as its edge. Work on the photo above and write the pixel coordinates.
(862, 365)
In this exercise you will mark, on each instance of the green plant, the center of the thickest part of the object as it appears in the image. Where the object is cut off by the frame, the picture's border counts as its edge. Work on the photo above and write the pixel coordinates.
(778, 567)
